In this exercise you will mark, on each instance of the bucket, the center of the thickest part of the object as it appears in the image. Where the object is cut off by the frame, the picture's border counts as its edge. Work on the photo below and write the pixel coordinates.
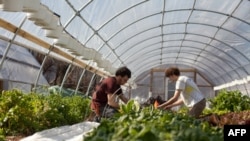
(31, 5)
(51, 23)
(63, 41)
(54, 33)
(11, 5)
(88, 53)
(38, 15)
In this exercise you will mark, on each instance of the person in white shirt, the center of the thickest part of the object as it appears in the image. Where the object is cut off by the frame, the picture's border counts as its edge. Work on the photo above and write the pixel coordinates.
(186, 92)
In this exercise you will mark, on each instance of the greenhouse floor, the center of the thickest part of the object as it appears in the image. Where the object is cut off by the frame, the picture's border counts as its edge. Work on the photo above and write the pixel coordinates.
(64, 133)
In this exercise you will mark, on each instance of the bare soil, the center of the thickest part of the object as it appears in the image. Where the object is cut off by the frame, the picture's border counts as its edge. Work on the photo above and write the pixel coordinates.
(14, 138)
(232, 118)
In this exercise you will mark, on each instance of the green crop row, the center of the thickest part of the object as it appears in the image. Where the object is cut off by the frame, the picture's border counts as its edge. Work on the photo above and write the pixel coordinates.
(25, 114)
(228, 101)
(149, 124)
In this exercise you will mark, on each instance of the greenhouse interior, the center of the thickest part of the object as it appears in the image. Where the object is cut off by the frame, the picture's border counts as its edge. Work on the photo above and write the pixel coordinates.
(66, 47)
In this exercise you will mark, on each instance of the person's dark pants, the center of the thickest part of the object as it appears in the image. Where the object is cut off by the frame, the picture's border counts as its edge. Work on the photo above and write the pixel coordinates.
(105, 112)
(197, 109)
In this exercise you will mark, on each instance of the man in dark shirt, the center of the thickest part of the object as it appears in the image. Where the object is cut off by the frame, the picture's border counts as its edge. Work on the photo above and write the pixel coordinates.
(103, 101)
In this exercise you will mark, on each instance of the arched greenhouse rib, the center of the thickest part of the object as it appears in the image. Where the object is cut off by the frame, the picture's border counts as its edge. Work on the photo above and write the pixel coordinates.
(214, 42)
(72, 45)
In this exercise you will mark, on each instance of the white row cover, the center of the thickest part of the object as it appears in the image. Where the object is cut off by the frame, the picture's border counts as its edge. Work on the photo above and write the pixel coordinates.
(75, 132)
(212, 36)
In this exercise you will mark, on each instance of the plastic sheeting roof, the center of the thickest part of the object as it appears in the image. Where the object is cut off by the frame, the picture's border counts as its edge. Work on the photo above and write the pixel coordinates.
(212, 36)
(19, 61)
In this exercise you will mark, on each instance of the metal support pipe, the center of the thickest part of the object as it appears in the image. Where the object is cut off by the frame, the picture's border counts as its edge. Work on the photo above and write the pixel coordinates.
(79, 81)
(10, 43)
(40, 71)
(90, 83)
(66, 74)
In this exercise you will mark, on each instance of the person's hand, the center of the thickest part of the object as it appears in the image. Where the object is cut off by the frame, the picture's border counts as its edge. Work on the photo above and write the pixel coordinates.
(97, 119)
(160, 107)
(167, 108)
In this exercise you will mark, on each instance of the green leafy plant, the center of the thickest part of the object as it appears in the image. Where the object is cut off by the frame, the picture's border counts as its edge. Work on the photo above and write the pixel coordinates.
(27, 113)
(17, 112)
(147, 124)
(228, 101)
(131, 107)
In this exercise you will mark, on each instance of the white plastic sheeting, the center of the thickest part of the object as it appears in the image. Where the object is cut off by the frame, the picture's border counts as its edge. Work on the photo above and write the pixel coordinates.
(19, 69)
(74, 132)
(212, 36)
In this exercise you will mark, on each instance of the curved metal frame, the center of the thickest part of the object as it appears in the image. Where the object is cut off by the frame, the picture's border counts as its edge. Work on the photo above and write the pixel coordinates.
(105, 42)
(125, 58)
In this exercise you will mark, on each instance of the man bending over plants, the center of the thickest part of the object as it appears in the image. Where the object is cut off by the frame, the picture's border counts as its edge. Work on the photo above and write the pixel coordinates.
(187, 90)
(103, 101)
